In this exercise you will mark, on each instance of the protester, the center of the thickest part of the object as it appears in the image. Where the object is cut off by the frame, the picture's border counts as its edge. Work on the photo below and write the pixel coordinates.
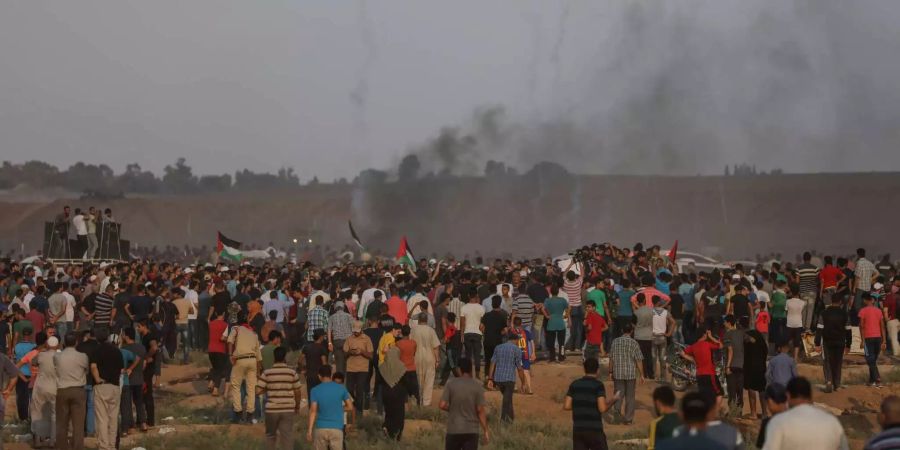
(701, 354)
(526, 345)
(106, 370)
(755, 359)
(495, 329)
(463, 399)
(43, 398)
(506, 362)
(282, 389)
(153, 360)
(313, 356)
(245, 356)
(72, 368)
(473, 330)
(667, 420)
(427, 357)
(643, 331)
(556, 309)
(595, 328)
(625, 369)
(217, 350)
(889, 419)
(833, 341)
(697, 410)
(663, 326)
(804, 425)
(776, 403)
(586, 398)
(359, 350)
(871, 326)
(734, 368)
(23, 392)
(394, 393)
(340, 327)
(327, 403)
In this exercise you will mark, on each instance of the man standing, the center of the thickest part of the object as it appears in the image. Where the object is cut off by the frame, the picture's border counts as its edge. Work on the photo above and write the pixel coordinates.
(327, 403)
(804, 425)
(133, 394)
(152, 360)
(643, 331)
(81, 233)
(280, 385)
(359, 349)
(495, 327)
(340, 327)
(864, 276)
(106, 369)
(594, 326)
(625, 367)
(427, 357)
(573, 286)
(90, 222)
(833, 336)
(9, 372)
(243, 346)
(505, 364)
(472, 313)
(71, 376)
(808, 277)
(184, 308)
(871, 326)
(463, 399)
(701, 354)
(734, 344)
(586, 398)
(57, 312)
(318, 318)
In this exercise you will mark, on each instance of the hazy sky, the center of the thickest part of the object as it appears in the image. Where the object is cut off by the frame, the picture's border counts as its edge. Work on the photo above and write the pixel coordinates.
(332, 87)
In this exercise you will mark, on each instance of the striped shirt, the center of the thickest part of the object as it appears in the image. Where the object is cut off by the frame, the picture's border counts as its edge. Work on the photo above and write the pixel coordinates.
(279, 384)
(455, 306)
(886, 440)
(524, 309)
(809, 276)
(103, 306)
(864, 272)
(573, 291)
(584, 393)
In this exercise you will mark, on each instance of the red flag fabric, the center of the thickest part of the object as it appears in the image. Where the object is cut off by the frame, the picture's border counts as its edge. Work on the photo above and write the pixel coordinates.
(673, 252)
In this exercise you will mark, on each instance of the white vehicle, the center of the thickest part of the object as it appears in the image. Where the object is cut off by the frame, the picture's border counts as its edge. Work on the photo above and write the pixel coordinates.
(689, 262)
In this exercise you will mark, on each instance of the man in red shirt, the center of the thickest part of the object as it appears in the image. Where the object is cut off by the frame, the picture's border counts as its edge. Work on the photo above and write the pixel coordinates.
(594, 325)
(829, 279)
(871, 326)
(701, 353)
(397, 307)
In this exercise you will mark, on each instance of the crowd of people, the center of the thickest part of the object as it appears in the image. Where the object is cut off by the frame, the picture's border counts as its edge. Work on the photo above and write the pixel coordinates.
(85, 343)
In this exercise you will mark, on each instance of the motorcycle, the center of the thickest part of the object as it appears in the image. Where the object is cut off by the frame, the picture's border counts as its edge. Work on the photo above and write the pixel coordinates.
(683, 372)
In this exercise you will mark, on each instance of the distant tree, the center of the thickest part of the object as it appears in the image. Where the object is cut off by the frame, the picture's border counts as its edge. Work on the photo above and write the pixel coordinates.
(727, 170)
(548, 170)
(215, 183)
(409, 168)
(314, 181)
(287, 176)
(370, 177)
(179, 179)
(136, 180)
(40, 174)
(81, 177)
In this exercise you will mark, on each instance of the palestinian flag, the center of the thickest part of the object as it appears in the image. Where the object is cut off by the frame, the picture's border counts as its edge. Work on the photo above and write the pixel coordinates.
(405, 255)
(355, 237)
(673, 253)
(228, 248)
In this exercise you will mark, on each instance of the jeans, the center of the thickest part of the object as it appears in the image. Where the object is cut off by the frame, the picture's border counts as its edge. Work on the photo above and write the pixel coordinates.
(90, 424)
(182, 330)
(133, 395)
(577, 320)
(193, 334)
(678, 335)
(63, 327)
(473, 350)
(834, 357)
(357, 387)
(555, 342)
(23, 399)
(589, 440)
(626, 388)
(340, 359)
(461, 442)
(647, 352)
(873, 348)
(736, 387)
(810, 299)
(507, 388)
(202, 333)
(539, 341)
(659, 350)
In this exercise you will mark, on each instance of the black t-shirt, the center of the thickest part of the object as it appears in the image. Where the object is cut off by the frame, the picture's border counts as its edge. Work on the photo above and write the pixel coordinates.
(141, 306)
(375, 335)
(4, 333)
(494, 322)
(677, 305)
(584, 393)
(537, 292)
(109, 363)
(146, 341)
(89, 348)
(88, 302)
(313, 353)
(374, 309)
(257, 323)
(740, 306)
(220, 303)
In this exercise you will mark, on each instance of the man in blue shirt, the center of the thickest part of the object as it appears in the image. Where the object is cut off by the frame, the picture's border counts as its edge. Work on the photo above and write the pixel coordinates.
(505, 363)
(327, 403)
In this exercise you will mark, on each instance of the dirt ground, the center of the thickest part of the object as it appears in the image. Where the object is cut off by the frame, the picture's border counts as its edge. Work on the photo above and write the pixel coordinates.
(856, 405)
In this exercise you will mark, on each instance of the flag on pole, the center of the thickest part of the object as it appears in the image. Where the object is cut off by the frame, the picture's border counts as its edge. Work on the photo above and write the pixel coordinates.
(673, 253)
(405, 255)
(355, 237)
(228, 248)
